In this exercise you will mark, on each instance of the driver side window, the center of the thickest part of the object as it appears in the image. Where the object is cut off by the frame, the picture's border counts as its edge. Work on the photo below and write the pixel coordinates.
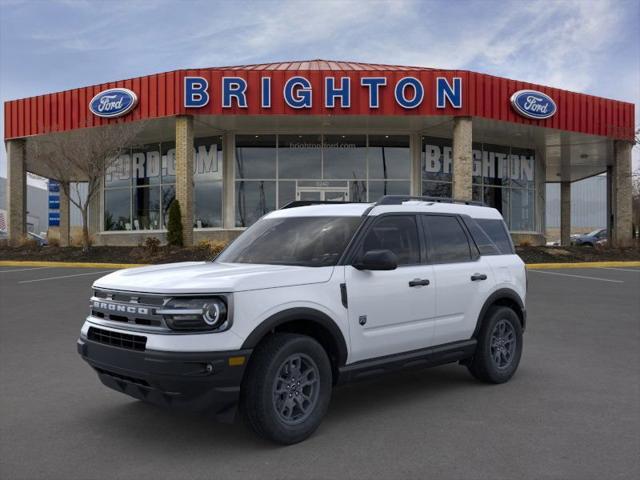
(398, 233)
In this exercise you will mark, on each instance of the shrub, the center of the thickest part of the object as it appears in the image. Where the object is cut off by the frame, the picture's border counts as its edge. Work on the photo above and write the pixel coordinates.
(54, 242)
(174, 226)
(152, 244)
(211, 247)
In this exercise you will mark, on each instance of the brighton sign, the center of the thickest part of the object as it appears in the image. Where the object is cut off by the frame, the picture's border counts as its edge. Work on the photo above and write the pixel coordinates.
(298, 93)
(113, 103)
(533, 104)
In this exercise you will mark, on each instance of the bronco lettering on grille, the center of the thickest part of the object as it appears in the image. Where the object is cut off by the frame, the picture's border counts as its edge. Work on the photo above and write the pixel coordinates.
(116, 307)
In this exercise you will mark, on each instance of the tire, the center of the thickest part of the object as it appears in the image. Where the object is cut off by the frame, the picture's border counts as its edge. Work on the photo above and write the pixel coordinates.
(277, 409)
(497, 364)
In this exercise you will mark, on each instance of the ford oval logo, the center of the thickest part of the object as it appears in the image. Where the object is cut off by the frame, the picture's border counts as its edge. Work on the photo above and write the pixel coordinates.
(533, 104)
(114, 102)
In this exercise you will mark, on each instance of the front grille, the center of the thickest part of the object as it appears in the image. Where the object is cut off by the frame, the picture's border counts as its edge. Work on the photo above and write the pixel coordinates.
(117, 339)
(131, 308)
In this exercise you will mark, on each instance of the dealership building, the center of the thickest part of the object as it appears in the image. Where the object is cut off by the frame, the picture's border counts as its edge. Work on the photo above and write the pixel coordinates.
(233, 143)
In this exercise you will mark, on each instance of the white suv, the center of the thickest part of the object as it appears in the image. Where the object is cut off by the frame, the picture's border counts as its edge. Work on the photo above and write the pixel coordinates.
(308, 297)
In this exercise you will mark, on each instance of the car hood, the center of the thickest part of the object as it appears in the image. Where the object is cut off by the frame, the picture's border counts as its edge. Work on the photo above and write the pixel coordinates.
(211, 277)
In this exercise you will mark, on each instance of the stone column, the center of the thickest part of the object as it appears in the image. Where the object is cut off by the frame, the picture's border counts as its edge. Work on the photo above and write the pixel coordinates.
(415, 147)
(621, 184)
(184, 174)
(565, 213)
(228, 181)
(16, 191)
(462, 158)
(65, 215)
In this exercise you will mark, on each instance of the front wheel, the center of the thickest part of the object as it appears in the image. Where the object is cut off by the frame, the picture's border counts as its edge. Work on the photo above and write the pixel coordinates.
(287, 388)
(499, 346)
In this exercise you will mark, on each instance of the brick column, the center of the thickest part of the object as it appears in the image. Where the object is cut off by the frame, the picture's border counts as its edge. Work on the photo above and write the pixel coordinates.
(415, 147)
(228, 180)
(462, 158)
(184, 174)
(621, 185)
(16, 191)
(565, 213)
(65, 215)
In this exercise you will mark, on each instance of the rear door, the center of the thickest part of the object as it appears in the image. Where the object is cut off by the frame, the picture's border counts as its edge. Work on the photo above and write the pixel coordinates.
(391, 311)
(462, 277)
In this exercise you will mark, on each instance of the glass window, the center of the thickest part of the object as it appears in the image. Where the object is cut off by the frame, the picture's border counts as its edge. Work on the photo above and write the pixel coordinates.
(436, 159)
(522, 167)
(168, 162)
(495, 164)
(300, 156)
(146, 208)
(207, 160)
(397, 233)
(208, 204)
(117, 209)
(256, 156)
(497, 232)
(521, 213)
(379, 188)
(168, 196)
(345, 157)
(448, 241)
(436, 189)
(118, 174)
(145, 165)
(253, 200)
(304, 241)
(389, 157)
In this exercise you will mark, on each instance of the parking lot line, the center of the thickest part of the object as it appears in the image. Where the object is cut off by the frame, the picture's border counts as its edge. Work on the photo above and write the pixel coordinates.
(23, 269)
(637, 270)
(579, 276)
(64, 276)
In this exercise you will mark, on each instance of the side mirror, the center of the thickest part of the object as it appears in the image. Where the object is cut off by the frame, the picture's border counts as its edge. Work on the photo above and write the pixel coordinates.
(377, 260)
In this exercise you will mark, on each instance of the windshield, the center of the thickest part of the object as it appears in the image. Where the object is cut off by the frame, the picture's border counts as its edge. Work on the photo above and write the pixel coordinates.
(303, 241)
(594, 233)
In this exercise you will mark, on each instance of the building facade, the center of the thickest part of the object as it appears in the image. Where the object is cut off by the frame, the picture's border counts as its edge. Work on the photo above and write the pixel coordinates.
(234, 143)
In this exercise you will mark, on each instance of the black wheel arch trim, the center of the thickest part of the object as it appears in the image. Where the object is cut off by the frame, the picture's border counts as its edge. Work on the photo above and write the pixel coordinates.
(304, 314)
(495, 298)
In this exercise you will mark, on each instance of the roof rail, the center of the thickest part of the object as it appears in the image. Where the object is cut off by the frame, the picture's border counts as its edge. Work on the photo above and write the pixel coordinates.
(399, 199)
(306, 203)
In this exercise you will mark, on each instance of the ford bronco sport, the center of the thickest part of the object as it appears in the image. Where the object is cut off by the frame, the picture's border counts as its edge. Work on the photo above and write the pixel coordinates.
(308, 297)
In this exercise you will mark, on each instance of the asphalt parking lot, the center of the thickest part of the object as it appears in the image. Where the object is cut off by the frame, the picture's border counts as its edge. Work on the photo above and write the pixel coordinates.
(571, 412)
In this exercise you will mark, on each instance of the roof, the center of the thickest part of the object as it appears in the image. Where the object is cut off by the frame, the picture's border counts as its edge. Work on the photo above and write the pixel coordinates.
(162, 95)
(320, 64)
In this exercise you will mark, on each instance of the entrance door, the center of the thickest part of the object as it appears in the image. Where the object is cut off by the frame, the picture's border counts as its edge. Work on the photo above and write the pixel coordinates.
(333, 194)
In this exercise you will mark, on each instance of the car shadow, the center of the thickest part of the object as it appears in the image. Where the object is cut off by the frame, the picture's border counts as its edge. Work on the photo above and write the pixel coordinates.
(151, 424)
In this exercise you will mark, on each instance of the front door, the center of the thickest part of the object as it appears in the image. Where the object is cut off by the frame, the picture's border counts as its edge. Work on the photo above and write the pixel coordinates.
(391, 311)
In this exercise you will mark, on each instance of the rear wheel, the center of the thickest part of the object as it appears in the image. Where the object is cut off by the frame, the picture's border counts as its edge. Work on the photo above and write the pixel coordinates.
(499, 346)
(287, 388)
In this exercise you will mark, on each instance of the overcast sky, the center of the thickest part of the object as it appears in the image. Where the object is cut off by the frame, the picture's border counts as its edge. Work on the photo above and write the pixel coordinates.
(582, 45)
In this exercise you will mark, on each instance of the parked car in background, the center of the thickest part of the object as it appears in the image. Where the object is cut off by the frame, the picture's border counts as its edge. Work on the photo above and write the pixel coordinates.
(40, 239)
(591, 239)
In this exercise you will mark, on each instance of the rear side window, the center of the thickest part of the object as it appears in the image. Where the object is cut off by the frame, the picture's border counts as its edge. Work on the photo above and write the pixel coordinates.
(447, 240)
(497, 232)
(397, 233)
(485, 245)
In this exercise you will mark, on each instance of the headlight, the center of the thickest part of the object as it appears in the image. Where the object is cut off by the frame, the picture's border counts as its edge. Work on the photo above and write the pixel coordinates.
(196, 314)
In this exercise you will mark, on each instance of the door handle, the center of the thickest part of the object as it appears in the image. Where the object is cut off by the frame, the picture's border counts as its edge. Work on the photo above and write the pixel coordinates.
(419, 282)
(478, 276)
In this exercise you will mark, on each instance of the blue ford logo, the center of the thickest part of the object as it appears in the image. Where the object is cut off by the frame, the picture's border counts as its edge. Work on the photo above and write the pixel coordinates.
(533, 104)
(114, 102)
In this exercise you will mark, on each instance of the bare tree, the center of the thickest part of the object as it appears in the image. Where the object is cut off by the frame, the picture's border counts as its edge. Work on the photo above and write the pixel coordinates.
(84, 156)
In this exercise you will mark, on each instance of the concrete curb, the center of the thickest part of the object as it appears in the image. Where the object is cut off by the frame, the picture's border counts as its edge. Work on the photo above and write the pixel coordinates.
(530, 266)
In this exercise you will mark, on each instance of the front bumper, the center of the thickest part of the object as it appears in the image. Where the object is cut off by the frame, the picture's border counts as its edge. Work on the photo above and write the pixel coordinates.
(196, 381)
